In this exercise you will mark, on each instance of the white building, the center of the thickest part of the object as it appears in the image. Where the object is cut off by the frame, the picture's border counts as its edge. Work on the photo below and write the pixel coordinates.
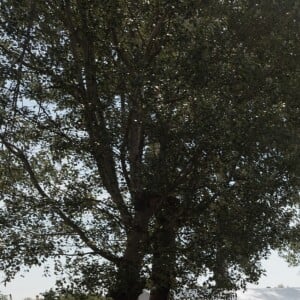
(257, 294)
(270, 294)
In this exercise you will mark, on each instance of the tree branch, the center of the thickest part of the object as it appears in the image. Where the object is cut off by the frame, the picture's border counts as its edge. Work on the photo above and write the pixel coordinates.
(151, 50)
(124, 143)
(100, 140)
(67, 220)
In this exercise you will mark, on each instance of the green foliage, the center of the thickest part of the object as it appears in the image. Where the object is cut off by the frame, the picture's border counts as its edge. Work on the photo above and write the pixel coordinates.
(4, 297)
(148, 133)
(54, 295)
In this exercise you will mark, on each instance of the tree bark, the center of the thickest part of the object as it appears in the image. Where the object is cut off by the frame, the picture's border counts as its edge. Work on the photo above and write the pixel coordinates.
(164, 253)
(129, 283)
(163, 265)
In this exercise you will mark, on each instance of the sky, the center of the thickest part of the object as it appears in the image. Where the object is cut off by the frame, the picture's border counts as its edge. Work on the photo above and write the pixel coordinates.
(34, 283)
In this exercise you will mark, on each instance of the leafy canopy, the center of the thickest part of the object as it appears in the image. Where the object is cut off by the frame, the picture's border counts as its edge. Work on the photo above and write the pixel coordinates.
(119, 118)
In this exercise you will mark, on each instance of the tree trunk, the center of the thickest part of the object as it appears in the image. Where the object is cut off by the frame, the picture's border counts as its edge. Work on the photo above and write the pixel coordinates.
(163, 264)
(129, 284)
(164, 252)
(159, 293)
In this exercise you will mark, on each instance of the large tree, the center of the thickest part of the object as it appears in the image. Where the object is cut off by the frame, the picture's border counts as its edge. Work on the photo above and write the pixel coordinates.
(148, 142)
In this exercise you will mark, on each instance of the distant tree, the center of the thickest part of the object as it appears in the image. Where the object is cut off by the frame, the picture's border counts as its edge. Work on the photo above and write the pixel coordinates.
(55, 295)
(4, 297)
(50, 295)
(148, 141)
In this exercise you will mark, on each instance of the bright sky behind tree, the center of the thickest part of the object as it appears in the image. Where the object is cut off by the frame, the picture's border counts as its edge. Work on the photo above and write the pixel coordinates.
(278, 272)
